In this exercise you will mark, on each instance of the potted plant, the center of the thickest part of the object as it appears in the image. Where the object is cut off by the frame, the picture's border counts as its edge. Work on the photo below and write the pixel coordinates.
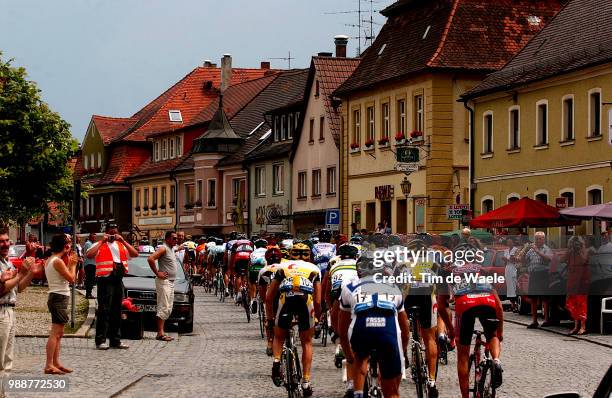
(162, 207)
(400, 137)
(145, 208)
(416, 135)
(137, 208)
(369, 143)
(153, 207)
(198, 203)
(383, 141)
(171, 204)
(188, 206)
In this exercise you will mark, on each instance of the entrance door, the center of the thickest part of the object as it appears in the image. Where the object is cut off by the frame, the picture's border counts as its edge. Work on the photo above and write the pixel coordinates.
(371, 216)
(402, 217)
(385, 212)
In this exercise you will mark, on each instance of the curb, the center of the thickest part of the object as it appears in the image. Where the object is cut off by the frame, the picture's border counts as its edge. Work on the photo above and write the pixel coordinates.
(83, 330)
(587, 339)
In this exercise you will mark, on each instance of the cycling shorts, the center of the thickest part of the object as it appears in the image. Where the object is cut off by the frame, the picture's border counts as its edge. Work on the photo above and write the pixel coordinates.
(470, 307)
(299, 306)
(378, 330)
(241, 267)
(335, 294)
(428, 309)
(254, 274)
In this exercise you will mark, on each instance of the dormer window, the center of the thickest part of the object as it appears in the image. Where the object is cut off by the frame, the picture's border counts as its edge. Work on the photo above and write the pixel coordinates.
(156, 151)
(85, 162)
(283, 127)
(175, 116)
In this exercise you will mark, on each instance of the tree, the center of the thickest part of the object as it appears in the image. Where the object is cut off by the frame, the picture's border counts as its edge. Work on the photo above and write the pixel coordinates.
(35, 149)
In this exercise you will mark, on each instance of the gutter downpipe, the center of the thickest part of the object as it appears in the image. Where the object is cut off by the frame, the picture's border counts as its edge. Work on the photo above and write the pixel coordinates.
(176, 205)
(471, 150)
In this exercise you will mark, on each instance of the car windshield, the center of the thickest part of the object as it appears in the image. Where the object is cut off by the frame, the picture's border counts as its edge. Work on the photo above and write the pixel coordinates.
(488, 258)
(138, 266)
(16, 251)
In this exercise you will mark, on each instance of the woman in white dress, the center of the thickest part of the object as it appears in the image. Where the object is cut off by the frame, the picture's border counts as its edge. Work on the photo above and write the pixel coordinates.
(511, 272)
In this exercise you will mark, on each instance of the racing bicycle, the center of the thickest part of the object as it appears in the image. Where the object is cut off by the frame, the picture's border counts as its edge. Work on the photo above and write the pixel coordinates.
(480, 367)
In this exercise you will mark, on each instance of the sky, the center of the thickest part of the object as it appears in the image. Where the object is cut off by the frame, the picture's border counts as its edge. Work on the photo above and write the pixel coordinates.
(111, 57)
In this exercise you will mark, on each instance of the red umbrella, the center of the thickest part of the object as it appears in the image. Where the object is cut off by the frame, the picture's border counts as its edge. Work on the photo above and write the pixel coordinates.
(520, 214)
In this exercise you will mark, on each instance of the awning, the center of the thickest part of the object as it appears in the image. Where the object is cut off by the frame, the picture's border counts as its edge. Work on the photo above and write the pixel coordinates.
(602, 212)
(522, 213)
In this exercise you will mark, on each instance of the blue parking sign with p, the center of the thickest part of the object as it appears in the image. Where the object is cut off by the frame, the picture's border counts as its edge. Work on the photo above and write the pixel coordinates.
(332, 216)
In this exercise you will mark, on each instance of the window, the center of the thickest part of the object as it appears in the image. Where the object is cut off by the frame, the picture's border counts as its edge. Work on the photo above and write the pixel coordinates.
(137, 198)
(164, 149)
(595, 112)
(154, 199)
(317, 88)
(276, 128)
(111, 207)
(542, 198)
(86, 162)
(569, 196)
(542, 123)
(279, 182)
(311, 132)
(401, 117)
(260, 181)
(385, 119)
(235, 190)
(316, 183)
(156, 152)
(211, 199)
(172, 196)
(164, 200)
(189, 195)
(296, 120)
(145, 199)
(199, 192)
(321, 125)
(356, 127)
(331, 180)
(487, 206)
(371, 128)
(101, 205)
(291, 127)
(514, 133)
(594, 196)
(568, 118)
(487, 131)
(171, 149)
(99, 160)
(418, 112)
(283, 127)
(302, 184)
(512, 199)
(92, 160)
(179, 147)
(175, 116)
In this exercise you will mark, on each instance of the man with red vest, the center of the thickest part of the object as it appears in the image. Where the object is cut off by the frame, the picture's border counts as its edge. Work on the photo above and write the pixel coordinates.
(111, 254)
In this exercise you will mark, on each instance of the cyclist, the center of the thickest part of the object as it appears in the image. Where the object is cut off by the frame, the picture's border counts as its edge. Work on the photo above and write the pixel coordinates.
(323, 251)
(239, 264)
(421, 293)
(372, 317)
(273, 259)
(299, 285)
(257, 262)
(214, 259)
(285, 246)
(189, 261)
(473, 300)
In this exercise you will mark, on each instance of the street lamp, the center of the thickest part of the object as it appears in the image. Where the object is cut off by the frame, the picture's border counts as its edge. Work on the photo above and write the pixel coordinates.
(406, 187)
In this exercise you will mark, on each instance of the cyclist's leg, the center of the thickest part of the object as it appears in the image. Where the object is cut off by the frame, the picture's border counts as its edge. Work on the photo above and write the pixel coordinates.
(463, 353)
(465, 329)
(304, 309)
(428, 318)
(360, 368)
(390, 387)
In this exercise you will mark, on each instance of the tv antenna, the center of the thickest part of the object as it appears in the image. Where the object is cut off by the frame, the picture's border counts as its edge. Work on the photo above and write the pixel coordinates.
(288, 58)
(367, 36)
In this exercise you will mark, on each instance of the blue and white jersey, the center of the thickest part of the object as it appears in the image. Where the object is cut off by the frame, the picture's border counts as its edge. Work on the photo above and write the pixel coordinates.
(342, 272)
(322, 253)
(258, 257)
(361, 295)
(229, 244)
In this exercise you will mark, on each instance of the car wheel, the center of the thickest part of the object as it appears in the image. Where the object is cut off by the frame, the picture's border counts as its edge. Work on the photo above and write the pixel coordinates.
(524, 306)
(185, 327)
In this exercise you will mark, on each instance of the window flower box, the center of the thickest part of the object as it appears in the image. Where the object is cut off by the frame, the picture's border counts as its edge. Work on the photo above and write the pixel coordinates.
(188, 206)
(198, 203)
(154, 207)
(145, 208)
(171, 205)
(137, 208)
(162, 207)
(354, 147)
(383, 142)
(211, 204)
(416, 135)
(369, 144)
(400, 138)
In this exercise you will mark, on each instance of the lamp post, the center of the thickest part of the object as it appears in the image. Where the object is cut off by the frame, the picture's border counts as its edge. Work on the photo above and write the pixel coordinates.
(406, 186)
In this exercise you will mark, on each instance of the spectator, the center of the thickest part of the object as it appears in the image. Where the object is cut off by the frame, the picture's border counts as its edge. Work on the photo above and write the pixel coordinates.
(11, 282)
(354, 229)
(474, 242)
(111, 254)
(364, 232)
(165, 274)
(178, 247)
(454, 241)
(80, 268)
(606, 243)
(465, 234)
(59, 275)
(577, 284)
(511, 272)
(33, 248)
(538, 258)
(90, 266)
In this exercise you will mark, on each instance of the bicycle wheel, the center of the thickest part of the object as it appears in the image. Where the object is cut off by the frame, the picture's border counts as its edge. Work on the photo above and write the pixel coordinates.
(420, 382)
(290, 378)
(245, 304)
(324, 330)
(485, 386)
(472, 381)
(262, 319)
(222, 288)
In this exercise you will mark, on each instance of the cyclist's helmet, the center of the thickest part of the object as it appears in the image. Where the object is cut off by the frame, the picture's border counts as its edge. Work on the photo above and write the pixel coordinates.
(285, 246)
(425, 237)
(356, 239)
(233, 235)
(260, 243)
(379, 240)
(300, 251)
(314, 240)
(394, 240)
(219, 241)
(325, 235)
(348, 251)
(365, 265)
(308, 243)
(416, 244)
(273, 255)
(341, 239)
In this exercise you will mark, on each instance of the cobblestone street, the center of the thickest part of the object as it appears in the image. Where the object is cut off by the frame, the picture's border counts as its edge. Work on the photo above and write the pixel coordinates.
(224, 357)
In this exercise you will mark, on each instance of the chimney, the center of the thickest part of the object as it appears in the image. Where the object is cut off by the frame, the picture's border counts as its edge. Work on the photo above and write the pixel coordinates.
(207, 63)
(341, 41)
(265, 65)
(226, 71)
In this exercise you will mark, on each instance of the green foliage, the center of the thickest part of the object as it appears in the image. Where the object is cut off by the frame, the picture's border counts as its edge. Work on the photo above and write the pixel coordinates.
(35, 149)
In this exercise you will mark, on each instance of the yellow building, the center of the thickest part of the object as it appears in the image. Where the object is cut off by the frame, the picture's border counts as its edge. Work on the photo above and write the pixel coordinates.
(402, 98)
(543, 124)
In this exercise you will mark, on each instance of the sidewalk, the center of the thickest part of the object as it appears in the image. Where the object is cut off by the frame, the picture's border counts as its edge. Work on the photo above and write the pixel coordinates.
(562, 329)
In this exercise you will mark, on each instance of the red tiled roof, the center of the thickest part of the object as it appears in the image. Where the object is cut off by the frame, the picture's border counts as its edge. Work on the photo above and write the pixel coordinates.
(476, 35)
(189, 96)
(332, 72)
(125, 158)
(150, 167)
(111, 127)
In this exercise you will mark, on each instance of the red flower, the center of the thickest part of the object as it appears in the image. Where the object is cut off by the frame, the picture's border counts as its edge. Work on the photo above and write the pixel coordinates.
(369, 142)
(416, 134)
(383, 141)
(399, 136)
(354, 145)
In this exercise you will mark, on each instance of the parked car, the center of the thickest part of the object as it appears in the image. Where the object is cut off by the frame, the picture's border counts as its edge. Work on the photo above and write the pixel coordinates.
(494, 264)
(139, 285)
(17, 253)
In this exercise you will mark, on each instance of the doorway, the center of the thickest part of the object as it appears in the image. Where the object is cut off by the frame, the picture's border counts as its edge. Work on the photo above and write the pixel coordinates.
(402, 217)
(371, 216)
(385, 212)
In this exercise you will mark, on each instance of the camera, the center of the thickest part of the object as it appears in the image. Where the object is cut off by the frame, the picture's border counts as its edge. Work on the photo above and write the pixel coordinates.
(111, 238)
